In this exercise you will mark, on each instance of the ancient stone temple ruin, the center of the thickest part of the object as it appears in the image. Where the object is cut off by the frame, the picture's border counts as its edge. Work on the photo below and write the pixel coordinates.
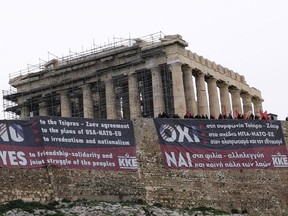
(131, 78)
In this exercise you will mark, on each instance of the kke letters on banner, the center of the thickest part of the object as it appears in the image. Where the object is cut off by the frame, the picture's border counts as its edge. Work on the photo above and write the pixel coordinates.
(68, 142)
(221, 144)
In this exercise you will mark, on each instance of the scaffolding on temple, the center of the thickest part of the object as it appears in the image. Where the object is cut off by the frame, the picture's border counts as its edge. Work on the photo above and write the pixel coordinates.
(130, 78)
(13, 107)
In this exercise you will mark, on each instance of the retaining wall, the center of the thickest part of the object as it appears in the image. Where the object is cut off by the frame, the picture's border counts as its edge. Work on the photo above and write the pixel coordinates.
(259, 191)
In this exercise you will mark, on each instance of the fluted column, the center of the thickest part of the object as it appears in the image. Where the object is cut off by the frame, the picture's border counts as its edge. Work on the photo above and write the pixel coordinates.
(224, 98)
(110, 100)
(158, 98)
(201, 94)
(257, 102)
(43, 108)
(213, 97)
(66, 110)
(25, 111)
(87, 101)
(118, 101)
(247, 104)
(96, 104)
(134, 99)
(189, 90)
(236, 100)
(178, 89)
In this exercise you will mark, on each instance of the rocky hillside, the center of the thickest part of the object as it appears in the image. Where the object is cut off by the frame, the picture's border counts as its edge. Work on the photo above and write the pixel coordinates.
(95, 208)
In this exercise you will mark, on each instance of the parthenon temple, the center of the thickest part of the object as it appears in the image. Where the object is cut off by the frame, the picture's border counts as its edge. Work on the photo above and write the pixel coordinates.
(131, 78)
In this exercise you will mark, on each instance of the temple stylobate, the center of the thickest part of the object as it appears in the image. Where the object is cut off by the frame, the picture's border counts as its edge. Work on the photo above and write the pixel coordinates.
(130, 79)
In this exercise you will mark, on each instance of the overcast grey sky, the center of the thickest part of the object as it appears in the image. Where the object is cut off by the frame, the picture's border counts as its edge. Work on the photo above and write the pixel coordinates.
(247, 36)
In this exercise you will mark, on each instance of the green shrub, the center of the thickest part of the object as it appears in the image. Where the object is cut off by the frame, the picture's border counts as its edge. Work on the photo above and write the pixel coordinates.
(26, 206)
(52, 205)
(65, 200)
(159, 205)
(204, 209)
(234, 211)
(244, 211)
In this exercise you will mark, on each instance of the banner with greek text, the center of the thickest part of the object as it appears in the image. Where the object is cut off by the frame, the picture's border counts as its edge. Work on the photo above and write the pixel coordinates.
(68, 142)
(221, 144)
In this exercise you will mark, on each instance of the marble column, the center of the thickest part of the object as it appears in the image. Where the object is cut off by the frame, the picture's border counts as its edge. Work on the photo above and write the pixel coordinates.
(189, 90)
(96, 104)
(66, 110)
(87, 101)
(224, 98)
(236, 100)
(43, 108)
(178, 89)
(247, 104)
(213, 97)
(158, 98)
(110, 100)
(134, 98)
(25, 112)
(257, 102)
(201, 94)
(118, 101)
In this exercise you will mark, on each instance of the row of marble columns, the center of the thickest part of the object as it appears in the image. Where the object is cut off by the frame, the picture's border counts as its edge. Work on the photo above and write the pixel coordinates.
(185, 99)
(88, 109)
(184, 96)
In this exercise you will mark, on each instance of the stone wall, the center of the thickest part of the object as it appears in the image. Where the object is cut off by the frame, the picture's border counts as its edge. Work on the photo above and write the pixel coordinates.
(261, 192)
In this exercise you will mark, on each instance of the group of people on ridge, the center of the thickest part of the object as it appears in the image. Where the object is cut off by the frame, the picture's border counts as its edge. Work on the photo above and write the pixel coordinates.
(221, 116)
